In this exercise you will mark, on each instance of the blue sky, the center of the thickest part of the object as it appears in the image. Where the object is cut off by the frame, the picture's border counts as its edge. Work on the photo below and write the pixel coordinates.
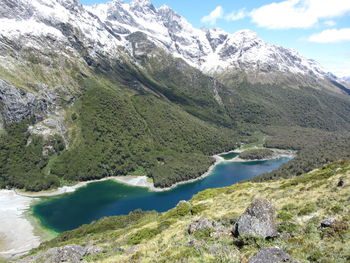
(318, 29)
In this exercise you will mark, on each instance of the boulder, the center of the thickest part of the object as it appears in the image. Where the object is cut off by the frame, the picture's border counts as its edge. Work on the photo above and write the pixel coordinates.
(328, 222)
(270, 255)
(200, 224)
(257, 220)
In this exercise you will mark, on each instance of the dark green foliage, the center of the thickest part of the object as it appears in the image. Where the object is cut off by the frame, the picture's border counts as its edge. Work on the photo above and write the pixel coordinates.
(120, 134)
(256, 154)
(268, 104)
(315, 147)
(143, 235)
(113, 139)
(182, 209)
(197, 209)
(74, 116)
(21, 161)
(284, 216)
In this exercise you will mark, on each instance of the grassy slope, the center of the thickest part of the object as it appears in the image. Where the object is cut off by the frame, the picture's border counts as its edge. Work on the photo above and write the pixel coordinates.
(301, 204)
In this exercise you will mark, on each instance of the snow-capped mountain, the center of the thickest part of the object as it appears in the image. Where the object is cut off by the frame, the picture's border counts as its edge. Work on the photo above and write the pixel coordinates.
(207, 49)
(102, 28)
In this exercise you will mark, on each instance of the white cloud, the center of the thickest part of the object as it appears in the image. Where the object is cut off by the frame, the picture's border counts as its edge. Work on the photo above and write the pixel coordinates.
(236, 15)
(331, 36)
(298, 13)
(330, 23)
(218, 13)
(211, 19)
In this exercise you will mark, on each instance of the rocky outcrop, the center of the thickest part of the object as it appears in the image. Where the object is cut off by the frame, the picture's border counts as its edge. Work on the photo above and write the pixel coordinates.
(328, 222)
(257, 220)
(270, 255)
(17, 105)
(200, 224)
(44, 106)
(216, 229)
(67, 254)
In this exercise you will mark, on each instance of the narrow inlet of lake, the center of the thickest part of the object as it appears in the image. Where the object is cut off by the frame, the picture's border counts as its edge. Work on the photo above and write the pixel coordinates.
(109, 198)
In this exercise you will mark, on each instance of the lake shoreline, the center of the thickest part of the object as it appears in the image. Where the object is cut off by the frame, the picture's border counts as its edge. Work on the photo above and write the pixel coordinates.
(142, 181)
(24, 232)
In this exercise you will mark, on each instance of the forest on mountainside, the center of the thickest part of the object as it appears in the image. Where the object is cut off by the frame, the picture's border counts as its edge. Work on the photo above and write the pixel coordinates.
(315, 148)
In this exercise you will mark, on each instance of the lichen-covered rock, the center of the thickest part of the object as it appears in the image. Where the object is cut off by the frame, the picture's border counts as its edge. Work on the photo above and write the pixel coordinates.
(270, 255)
(257, 220)
(200, 224)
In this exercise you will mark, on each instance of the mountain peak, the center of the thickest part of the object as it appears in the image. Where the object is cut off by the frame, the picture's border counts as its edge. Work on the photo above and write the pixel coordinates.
(165, 7)
(147, 3)
(142, 6)
(246, 33)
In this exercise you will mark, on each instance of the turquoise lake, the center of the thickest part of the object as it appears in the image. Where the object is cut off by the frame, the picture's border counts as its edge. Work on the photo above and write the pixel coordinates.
(109, 198)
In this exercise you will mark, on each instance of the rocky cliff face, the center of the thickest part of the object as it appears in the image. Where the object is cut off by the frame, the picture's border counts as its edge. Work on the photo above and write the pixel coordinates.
(17, 105)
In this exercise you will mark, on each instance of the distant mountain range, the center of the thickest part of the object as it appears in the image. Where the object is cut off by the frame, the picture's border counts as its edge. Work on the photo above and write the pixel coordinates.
(102, 29)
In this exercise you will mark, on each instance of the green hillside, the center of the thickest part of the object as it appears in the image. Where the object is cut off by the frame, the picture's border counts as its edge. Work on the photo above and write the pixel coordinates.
(162, 118)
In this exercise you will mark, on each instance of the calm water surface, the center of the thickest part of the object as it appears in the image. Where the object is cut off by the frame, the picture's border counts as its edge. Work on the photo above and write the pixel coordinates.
(108, 198)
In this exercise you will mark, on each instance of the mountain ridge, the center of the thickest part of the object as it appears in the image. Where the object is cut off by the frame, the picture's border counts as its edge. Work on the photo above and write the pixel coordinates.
(105, 26)
(212, 46)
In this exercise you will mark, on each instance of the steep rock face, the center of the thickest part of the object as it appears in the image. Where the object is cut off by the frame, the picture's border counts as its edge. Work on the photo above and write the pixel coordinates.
(17, 105)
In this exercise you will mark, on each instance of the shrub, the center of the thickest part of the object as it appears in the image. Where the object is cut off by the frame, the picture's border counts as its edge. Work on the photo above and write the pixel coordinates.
(143, 235)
